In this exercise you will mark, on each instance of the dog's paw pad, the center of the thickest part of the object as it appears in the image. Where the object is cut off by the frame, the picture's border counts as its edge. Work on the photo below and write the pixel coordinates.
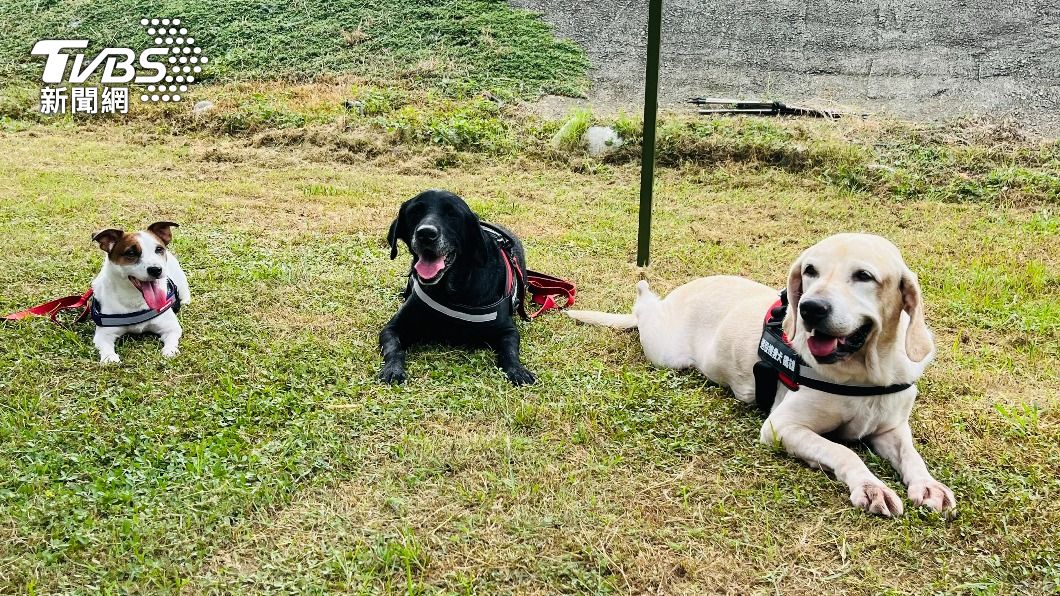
(877, 498)
(933, 495)
(520, 376)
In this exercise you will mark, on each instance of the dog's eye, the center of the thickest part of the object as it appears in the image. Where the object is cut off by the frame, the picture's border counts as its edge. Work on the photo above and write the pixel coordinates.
(810, 271)
(132, 253)
(862, 275)
(159, 250)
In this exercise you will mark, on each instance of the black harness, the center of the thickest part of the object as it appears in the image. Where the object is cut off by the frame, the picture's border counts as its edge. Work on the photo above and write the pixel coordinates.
(778, 362)
(140, 316)
(491, 314)
(517, 272)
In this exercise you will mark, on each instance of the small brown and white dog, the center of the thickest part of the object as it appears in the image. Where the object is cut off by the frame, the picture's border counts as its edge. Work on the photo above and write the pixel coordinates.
(139, 288)
(856, 316)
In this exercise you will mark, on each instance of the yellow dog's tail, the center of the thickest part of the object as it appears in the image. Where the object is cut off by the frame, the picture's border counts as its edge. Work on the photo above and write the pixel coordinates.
(614, 320)
(605, 319)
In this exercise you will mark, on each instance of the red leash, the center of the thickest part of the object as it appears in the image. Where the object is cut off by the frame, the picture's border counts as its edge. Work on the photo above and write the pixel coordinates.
(55, 307)
(542, 289)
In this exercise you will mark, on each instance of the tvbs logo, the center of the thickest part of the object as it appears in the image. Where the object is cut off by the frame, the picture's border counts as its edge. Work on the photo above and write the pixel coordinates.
(164, 70)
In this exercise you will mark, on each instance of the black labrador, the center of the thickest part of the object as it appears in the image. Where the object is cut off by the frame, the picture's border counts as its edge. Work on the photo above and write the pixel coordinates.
(463, 288)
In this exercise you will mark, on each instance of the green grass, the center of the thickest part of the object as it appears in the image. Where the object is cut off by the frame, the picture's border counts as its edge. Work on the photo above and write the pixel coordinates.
(570, 134)
(265, 457)
(461, 47)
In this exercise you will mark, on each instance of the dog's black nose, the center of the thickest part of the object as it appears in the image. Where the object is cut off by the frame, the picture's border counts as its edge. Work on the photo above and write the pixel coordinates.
(814, 311)
(155, 272)
(427, 233)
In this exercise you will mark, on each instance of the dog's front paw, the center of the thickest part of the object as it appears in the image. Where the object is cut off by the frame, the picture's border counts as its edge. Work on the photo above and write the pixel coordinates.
(932, 494)
(876, 497)
(170, 352)
(518, 375)
(105, 359)
(392, 375)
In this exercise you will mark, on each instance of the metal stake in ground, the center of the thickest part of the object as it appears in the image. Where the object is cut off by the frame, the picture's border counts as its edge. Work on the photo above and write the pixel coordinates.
(651, 102)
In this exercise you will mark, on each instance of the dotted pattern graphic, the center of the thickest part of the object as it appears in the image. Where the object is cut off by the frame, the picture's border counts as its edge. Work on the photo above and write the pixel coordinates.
(185, 59)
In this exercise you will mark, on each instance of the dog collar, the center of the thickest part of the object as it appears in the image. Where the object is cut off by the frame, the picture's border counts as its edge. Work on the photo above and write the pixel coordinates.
(778, 361)
(140, 316)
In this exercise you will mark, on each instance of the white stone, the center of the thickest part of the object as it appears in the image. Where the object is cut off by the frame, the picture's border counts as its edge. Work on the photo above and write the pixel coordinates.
(202, 107)
(601, 140)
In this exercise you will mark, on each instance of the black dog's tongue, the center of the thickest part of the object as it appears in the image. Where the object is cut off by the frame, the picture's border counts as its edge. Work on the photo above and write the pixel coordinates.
(428, 268)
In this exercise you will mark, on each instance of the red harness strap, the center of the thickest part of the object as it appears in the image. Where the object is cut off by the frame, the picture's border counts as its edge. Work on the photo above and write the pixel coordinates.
(542, 289)
(508, 286)
(53, 308)
(773, 316)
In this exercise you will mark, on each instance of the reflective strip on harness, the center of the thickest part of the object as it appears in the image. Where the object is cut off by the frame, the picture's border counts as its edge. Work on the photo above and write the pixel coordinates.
(456, 314)
(135, 318)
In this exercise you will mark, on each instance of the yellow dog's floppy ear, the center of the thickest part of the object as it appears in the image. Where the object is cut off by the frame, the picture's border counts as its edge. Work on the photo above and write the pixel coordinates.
(107, 238)
(794, 295)
(919, 343)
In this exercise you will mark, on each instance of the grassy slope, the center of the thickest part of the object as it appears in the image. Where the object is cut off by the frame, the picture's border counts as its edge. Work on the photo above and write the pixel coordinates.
(461, 46)
(267, 456)
(963, 161)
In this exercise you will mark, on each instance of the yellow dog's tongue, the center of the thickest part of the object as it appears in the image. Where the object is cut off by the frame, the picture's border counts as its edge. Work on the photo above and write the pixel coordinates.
(822, 345)
(153, 292)
(429, 268)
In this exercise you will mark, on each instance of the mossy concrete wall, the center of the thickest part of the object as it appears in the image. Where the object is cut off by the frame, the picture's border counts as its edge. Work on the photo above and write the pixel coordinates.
(917, 59)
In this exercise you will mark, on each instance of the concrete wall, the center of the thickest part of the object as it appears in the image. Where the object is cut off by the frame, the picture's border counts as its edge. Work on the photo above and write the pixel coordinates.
(919, 59)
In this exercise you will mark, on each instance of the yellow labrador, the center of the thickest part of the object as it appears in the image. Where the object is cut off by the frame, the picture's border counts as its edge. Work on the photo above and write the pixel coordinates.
(856, 317)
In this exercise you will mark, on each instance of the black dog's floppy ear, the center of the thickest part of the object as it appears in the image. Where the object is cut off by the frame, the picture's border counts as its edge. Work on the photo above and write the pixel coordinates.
(392, 239)
(475, 239)
(398, 230)
(107, 238)
(162, 230)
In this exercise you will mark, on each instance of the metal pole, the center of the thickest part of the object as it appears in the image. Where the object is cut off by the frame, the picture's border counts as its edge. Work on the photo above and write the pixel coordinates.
(651, 103)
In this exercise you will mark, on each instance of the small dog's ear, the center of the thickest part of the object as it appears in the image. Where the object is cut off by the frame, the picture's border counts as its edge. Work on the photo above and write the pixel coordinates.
(790, 324)
(919, 343)
(107, 238)
(162, 230)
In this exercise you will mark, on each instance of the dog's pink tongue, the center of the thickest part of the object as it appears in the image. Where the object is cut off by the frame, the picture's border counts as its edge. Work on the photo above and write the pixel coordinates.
(427, 268)
(822, 345)
(154, 295)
